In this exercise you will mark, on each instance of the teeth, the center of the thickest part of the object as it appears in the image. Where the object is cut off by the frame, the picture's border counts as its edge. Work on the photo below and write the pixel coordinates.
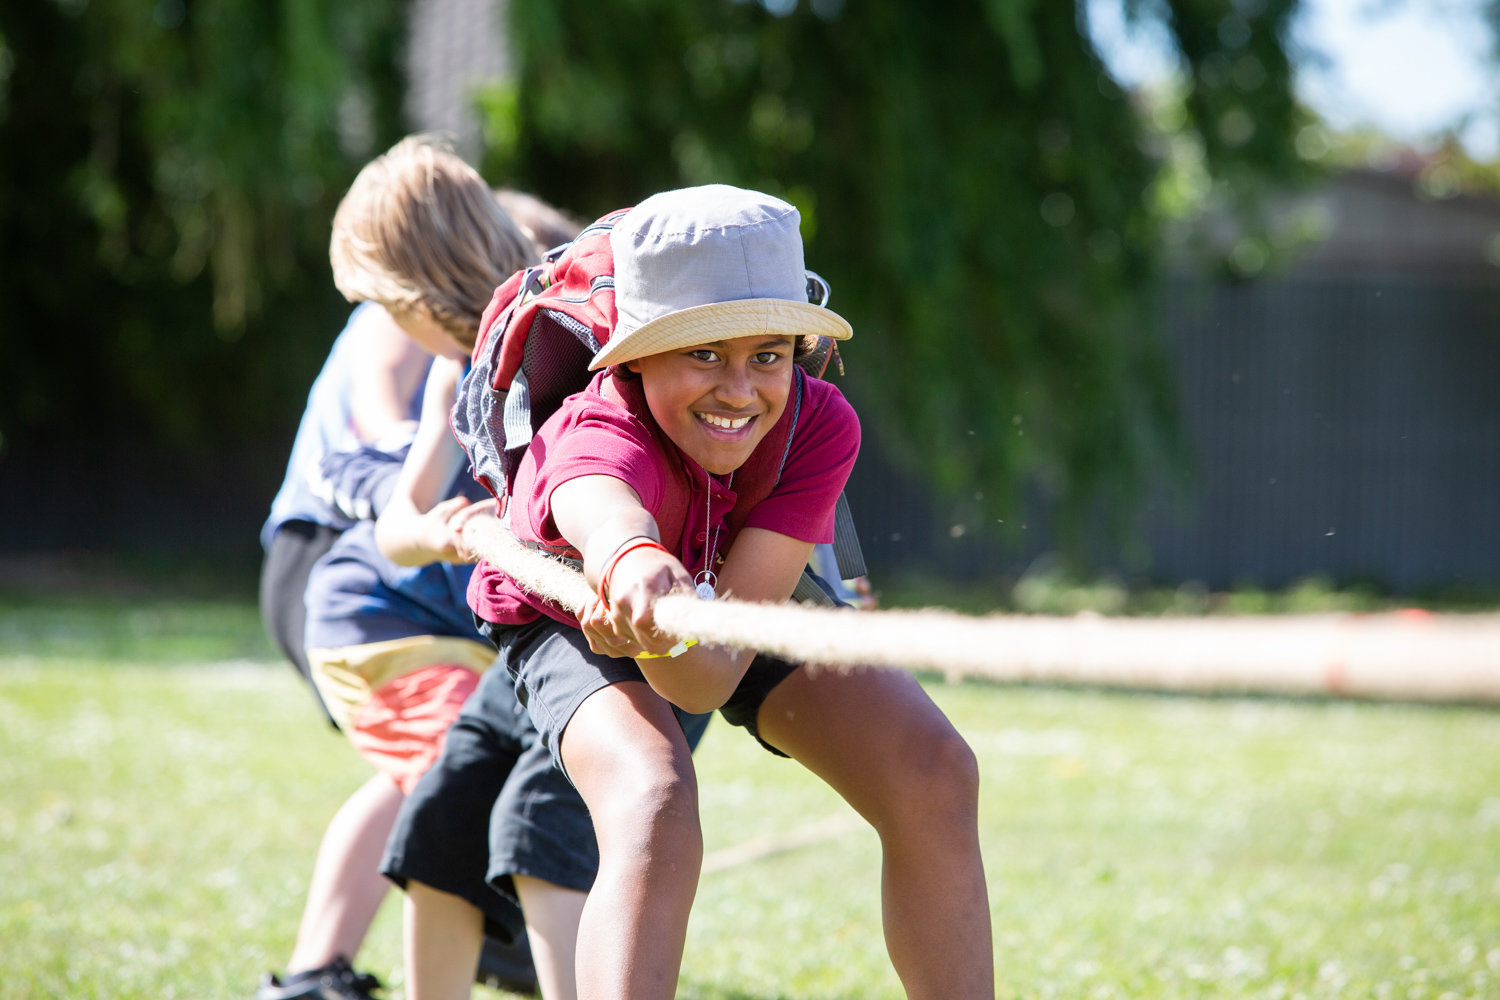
(724, 422)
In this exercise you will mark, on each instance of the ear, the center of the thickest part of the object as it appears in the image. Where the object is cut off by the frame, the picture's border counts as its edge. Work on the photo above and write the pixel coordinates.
(634, 365)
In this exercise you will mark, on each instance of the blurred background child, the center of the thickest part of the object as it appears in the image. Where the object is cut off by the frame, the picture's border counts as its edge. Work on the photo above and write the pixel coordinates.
(422, 240)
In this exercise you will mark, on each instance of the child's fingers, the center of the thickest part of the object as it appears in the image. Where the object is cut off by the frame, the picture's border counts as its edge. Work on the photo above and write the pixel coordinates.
(466, 511)
(643, 625)
(618, 622)
(651, 640)
(439, 539)
(637, 584)
(462, 517)
(595, 615)
(448, 507)
(600, 642)
(598, 627)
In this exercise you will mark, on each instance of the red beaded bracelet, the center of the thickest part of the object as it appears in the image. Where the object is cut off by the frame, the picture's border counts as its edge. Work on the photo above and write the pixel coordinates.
(639, 542)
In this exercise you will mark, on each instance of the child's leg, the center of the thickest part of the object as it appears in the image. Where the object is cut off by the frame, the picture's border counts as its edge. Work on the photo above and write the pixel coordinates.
(347, 887)
(881, 743)
(444, 934)
(625, 751)
(398, 725)
(440, 841)
(552, 915)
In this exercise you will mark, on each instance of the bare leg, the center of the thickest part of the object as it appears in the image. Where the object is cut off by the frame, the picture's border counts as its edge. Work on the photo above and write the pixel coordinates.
(347, 887)
(626, 753)
(552, 915)
(881, 743)
(443, 936)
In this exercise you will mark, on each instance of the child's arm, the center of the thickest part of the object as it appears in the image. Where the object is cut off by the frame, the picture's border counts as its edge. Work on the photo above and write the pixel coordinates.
(600, 514)
(386, 366)
(415, 529)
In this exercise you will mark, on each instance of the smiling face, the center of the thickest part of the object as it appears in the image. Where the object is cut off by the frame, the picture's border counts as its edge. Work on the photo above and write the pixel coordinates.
(717, 401)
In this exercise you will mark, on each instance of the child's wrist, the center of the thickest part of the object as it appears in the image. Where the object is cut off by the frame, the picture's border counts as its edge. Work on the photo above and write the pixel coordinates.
(624, 549)
(601, 547)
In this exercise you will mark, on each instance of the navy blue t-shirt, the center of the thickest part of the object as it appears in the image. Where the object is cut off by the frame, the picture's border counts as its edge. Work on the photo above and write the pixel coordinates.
(355, 595)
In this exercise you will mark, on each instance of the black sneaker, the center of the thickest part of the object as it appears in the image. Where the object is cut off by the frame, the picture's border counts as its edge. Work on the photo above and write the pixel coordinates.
(335, 981)
(507, 966)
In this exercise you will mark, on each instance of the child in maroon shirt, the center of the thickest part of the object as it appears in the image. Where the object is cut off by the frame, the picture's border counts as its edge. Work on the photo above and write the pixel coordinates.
(596, 433)
(703, 460)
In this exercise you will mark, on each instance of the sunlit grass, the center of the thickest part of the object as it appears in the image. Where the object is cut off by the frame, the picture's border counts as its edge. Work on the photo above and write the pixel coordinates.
(158, 824)
(1150, 847)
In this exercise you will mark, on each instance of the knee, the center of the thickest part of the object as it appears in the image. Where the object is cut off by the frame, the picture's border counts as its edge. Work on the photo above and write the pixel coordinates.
(651, 810)
(937, 779)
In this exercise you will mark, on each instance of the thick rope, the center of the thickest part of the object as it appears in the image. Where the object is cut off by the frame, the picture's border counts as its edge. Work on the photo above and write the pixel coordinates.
(1406, 657)
(542, 576)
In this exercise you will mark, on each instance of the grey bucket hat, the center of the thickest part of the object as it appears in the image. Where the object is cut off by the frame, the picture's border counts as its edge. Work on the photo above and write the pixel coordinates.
(710, 263)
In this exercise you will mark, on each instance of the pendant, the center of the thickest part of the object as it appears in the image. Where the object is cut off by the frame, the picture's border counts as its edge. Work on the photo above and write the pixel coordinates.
(705, 587)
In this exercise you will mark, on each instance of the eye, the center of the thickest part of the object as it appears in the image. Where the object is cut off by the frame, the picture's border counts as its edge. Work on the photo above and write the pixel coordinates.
(767, 358)
(704, 355)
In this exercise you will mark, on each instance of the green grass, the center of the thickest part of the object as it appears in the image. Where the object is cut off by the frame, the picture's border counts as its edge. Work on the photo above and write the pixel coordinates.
(158, 823)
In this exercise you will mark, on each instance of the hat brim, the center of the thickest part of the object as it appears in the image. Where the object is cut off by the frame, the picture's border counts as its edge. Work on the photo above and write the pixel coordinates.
(716, 321)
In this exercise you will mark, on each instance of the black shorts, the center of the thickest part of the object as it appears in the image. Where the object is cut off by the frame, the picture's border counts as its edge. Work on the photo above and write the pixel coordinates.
(283, 584)
(494, 806)
(555, 671)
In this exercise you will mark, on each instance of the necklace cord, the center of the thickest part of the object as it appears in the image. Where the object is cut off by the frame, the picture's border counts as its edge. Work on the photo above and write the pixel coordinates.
(707, 577)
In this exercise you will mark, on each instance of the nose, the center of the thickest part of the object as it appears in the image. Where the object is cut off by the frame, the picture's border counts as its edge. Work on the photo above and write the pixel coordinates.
(737, 390)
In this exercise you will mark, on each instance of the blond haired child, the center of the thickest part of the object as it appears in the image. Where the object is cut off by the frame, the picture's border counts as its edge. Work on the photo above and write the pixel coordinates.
(421, 238)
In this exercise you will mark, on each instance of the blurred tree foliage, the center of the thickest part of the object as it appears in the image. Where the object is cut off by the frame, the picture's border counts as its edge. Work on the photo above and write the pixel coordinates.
(985, 199)
(168, 170)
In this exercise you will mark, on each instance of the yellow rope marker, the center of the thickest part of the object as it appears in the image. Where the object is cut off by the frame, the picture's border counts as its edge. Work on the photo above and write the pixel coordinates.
(1402, 656)
(683, 645)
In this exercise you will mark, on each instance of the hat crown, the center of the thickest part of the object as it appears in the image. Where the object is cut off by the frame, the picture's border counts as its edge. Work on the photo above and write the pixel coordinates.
(702, 245)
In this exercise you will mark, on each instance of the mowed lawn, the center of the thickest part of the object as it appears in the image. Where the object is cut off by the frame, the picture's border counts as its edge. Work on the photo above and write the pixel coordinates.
(159, 817)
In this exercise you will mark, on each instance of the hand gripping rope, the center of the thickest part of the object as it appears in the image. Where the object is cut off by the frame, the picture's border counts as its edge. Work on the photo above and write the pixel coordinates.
(1403, 656)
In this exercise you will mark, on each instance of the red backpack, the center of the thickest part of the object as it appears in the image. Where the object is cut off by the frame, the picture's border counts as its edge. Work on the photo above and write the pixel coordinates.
(536, 339)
